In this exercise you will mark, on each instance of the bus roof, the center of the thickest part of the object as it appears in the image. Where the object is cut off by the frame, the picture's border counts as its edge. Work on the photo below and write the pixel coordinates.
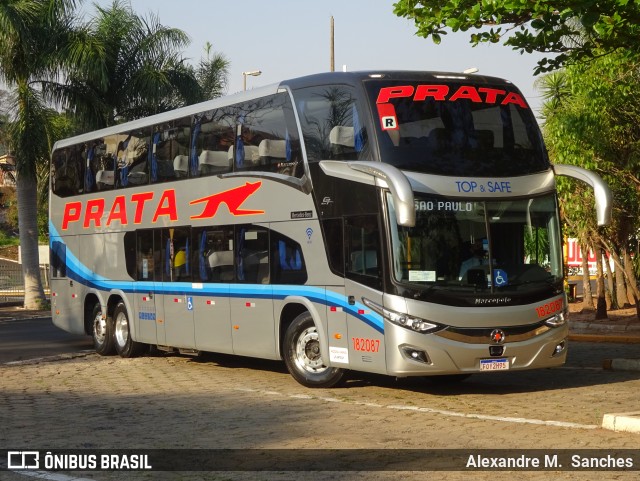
(300, 82)
(414, 75)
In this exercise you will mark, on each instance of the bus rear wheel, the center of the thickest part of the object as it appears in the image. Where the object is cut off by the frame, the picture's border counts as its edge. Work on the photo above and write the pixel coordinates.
(125, 345)
(101, 331)
(302, 355)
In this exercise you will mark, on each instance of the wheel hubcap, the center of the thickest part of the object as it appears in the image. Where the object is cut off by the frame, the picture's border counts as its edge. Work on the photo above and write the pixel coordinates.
(99, 328)
(307, 354)
(122, 329)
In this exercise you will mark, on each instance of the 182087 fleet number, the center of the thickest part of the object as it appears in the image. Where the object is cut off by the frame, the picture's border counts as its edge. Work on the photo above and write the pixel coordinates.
(366, 345)
(549, 308)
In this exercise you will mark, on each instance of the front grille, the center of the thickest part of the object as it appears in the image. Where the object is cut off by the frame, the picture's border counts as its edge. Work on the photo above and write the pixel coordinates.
(482, 335)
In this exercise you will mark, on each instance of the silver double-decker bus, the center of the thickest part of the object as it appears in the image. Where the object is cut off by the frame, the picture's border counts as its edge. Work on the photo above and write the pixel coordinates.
(403, 223)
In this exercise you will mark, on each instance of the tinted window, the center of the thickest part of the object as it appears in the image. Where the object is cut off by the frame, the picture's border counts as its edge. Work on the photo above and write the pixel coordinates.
(147, 256)
(212, 141)
(332, 123)
(132, 156)
(287, 261)
(456, 129)
(170, 151)
(176, 254)
(363, 256)
(58, 259)
(266, 137)
(67, 170)
(214, 254)
(253, 254)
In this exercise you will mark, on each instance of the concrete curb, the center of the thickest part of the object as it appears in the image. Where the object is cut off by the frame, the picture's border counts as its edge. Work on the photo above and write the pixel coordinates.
(627, 422)
(605, 337)
(621, 364)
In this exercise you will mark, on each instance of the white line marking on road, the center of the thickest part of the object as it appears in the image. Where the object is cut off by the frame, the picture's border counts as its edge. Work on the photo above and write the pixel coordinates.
(441, 412)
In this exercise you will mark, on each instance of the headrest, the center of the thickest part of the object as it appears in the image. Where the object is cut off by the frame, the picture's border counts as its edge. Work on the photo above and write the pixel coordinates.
(181, 162)
(214, 157)
(341, 135)
(273, 148)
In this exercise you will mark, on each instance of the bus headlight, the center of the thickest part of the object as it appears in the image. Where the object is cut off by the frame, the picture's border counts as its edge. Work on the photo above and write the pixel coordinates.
(557, 320)
(404, 320)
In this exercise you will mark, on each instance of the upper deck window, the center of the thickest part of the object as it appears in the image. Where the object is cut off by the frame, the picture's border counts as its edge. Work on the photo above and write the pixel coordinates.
(449, 128)
(332, 124)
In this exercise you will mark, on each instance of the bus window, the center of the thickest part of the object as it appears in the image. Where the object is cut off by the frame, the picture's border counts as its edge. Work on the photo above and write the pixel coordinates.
(215, 255)
(288, 266)
(212, 137)
(146, 256)
(106, 162)
(363, 249)
(176, 252)
(253, 254)
(58, 259)
(333, 231)
(170, 150)
(331, 123)
(267, 137)
(449, 128)
(68, 171)
(132, 154)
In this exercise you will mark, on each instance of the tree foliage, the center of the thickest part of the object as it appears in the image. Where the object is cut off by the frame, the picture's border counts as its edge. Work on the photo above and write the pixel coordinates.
(567, 30)
(592, 119)
(118, 66)
(129, 67)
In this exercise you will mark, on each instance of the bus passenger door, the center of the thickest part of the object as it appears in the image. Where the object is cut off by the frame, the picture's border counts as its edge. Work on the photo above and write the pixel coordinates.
(251, 297)
(363, 279)
(178, 303)
(147, 270)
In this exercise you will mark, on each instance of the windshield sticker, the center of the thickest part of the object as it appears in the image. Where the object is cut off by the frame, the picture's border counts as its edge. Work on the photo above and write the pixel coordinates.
(471, 186)
(422, 276)
(500, 278)
(443, 93)
(449, 206)
(388, 118)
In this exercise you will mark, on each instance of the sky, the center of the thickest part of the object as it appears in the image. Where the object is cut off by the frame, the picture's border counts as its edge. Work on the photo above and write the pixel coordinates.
(291, 38)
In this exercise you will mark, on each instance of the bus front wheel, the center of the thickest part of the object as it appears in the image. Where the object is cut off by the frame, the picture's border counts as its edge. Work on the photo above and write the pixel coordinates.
(302, 355)
(125, 345)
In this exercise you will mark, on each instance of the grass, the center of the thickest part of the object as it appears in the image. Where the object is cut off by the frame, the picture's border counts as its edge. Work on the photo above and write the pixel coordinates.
(8, 240)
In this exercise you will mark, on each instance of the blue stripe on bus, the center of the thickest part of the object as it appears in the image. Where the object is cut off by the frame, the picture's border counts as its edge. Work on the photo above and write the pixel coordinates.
(82, 274)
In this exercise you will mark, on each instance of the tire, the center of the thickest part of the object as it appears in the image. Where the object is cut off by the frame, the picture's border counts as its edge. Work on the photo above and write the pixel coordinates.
(125, 346)
(302, 355)
(102, 332)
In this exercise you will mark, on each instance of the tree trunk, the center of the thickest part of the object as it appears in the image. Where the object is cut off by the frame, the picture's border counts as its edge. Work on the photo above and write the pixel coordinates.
(587, 298)
(601, 304)
(631, 282)
(610, 298)
(34, 297)
(621, 288)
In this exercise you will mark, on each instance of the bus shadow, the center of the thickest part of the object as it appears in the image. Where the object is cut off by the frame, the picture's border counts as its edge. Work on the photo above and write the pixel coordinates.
(540, 380)
(557, 379)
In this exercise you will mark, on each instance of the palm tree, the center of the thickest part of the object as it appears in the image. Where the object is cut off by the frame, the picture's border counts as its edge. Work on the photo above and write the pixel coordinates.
(134, 69)
(36, 38)
(212, 73)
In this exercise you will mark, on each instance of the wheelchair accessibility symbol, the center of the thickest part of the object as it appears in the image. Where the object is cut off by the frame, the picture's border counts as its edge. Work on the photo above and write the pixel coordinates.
(500, 278)
(190, 303)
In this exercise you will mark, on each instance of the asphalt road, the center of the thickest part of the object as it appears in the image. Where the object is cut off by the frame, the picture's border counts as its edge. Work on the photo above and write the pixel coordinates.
(36, 338)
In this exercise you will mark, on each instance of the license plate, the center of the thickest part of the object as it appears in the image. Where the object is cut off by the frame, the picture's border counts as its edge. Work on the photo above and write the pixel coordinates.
(494, 364)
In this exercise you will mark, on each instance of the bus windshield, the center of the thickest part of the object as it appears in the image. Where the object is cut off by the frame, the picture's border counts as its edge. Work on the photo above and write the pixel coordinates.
(497, 245)
(451, 128)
